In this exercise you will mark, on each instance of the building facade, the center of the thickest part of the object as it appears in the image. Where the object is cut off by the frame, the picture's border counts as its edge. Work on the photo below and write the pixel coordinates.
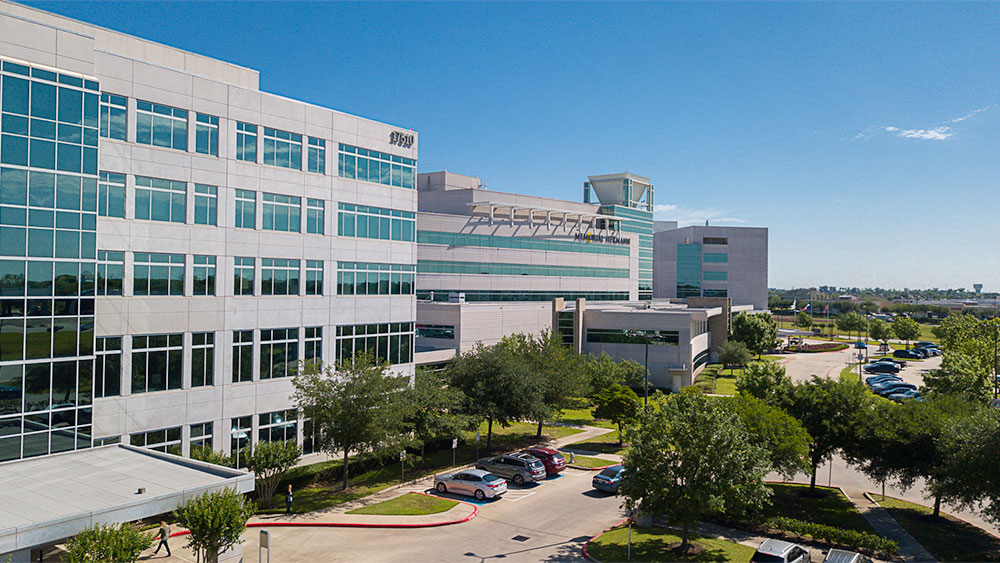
(173, 241)
(707, 261)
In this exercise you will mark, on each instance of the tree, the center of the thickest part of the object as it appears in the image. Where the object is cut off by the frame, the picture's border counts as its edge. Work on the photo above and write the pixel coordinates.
(555, 366)
(960, 374)
(115, 542)
(619, 404)
(803, 320)
(850, 323)
(782, 436)
(732, 354)
(358, 408)
(206, 454)
(268, 461)
(767, 381)
(216, 521)
(689, 456)
(906, 329)
(758, 332)
(972, 466)
(880, 330)
(603, 371)
(434, 409)
(830, 410)
(496, 386)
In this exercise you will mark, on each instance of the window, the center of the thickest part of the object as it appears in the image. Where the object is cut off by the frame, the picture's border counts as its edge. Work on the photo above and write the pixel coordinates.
(715, 293)
(114, 116)
(317, 156)
(314, 277)
(279, 352)
(392, 342)
(564, 324)
(156, 362)
(375, 222)
(623, 336)
(445, 332)
(201, 436)
(313, 342)
(158, 274)
(242, 356)
(715, 258)
(204, 275)
(506, 269)
(715, 240)
(688, 270)
(239, 440)
(282, 148)
(111, 195)
(204, 204)
(525, 243)
(281, 213)
(279, 277)
(360, 278)
(167, 440)
(202, 359)
(243, 275)
(160, 200)
(716, 276)
(107, 366)
(379, 167)
(315, 216)
(280, 426)
(246, 142)
(160, 126)
(110, 272)
(246, 204)
(206, 134)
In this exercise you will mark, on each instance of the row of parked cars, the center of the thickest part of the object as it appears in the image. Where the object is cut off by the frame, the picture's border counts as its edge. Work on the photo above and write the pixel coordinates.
(489, 479)
(919, 351)
(779, 551)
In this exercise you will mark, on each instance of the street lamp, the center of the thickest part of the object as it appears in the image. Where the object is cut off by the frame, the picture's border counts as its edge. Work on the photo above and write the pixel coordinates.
(645, 379)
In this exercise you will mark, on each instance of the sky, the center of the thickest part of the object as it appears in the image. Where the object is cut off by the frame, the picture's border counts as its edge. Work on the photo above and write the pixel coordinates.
(865, 136)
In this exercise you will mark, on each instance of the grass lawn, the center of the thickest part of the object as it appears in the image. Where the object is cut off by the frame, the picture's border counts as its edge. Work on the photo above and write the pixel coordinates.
(830, 507)
(410, 504)
(947, 537)
(519, 432)
(603, 444)
(724, 385)
(584, 417)
(850, 373)
(650, 544)
(587, 461)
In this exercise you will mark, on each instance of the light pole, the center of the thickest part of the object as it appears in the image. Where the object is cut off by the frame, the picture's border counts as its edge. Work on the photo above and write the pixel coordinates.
(645, 377)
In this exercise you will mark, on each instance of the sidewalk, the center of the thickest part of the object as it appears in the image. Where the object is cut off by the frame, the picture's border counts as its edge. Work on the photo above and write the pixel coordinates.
(885, 525)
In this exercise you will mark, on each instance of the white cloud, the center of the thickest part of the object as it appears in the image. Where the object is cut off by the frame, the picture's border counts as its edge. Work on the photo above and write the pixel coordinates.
(686, 216)
(934, 134)
(938, 133)
(972, 113)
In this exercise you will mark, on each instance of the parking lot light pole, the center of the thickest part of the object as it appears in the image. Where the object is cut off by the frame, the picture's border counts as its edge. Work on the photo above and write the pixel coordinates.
(645, 375)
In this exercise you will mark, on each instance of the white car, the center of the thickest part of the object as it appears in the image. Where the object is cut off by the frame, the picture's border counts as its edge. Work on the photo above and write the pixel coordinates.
(471, 482)
(777, 551)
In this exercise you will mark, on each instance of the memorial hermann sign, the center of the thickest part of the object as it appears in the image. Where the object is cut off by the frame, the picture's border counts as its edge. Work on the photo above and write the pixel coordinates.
(606, 239)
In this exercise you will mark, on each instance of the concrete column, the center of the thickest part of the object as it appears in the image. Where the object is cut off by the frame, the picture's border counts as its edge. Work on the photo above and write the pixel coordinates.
(578, 333)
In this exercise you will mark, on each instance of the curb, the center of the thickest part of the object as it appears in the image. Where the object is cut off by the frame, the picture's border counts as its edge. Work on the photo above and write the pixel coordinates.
(871, 496)
(473, 514)
(583, 549)
(601, 468)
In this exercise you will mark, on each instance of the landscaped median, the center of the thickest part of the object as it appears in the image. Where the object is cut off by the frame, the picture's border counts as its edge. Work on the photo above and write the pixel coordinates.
(656, 544)
(947, 538)
(587, 462)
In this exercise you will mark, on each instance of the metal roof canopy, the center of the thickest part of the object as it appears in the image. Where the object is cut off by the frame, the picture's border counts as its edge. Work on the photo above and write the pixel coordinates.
(47, 499)
(490, 209)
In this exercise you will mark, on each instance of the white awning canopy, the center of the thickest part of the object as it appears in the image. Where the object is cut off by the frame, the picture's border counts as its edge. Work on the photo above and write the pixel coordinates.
(541, 215)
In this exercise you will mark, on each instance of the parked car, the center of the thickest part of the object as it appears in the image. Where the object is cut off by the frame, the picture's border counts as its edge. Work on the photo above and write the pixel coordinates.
(519, 468)
(881, 368)
(924, 343)
(903, 395)
(909, 354)
(778, 551)
(471, 482)
(842, 556)
(890, 388)
(553, 461)
(609, 479)
(922, 352)
(880, 379)
(934, 350)
(897, 361)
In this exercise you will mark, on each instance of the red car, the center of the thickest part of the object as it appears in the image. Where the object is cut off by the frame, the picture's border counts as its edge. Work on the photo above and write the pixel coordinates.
(553, 461)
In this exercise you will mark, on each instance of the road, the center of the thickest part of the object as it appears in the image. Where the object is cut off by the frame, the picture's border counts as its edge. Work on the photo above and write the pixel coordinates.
(801, 367)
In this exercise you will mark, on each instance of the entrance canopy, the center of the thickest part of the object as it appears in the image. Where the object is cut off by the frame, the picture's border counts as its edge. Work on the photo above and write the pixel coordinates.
(45, 500)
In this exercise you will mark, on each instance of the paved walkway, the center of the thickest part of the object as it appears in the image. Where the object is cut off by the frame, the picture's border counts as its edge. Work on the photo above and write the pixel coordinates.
(885, 525)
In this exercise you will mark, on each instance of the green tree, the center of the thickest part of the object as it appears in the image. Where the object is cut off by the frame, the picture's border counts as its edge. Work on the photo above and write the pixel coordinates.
(115, 542)
(434, 410)
(850, 323)
(758, 332)
(766, 380)
(603, 371)
(690, 456)
(496, 385)
(830, 410)
(619, 404)
(557, 370)
(780, 434)
(906, 329)
(732, 354)
(216, 521)
(803, 320)
(268, 461)
(880, 330)
(358, 407)
(960, 374)
(206, 454)
(972, 468)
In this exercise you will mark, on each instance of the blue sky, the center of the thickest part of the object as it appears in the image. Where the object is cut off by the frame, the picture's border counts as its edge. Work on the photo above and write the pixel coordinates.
(865, 136)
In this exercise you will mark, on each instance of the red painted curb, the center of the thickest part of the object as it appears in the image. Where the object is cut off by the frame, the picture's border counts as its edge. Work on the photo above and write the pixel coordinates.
(586, 543)
(475, 511)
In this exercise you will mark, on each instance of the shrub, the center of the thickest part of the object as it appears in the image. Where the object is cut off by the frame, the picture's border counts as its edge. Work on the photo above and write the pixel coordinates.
(123, 542)
(824, 347)
(830, 534)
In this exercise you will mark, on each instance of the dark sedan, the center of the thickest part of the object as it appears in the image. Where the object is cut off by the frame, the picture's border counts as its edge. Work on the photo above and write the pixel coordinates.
(909, 354)
(881, 368)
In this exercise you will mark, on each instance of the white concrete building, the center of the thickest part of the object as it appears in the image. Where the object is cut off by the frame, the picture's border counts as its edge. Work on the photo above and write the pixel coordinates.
(207, 237)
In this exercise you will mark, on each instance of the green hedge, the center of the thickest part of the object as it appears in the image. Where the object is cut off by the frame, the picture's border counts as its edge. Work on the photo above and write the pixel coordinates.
(825, 347)
(845, 538)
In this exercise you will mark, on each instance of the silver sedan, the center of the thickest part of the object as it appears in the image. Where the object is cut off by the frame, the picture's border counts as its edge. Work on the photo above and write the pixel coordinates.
(471, 482)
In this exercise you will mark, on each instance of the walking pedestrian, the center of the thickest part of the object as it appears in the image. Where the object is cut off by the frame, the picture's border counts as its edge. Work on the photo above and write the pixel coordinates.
(288, 500)
(163, 535)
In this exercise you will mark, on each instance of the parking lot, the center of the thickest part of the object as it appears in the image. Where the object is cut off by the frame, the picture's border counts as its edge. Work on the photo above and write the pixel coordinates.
(800, 367)
(545, 521)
